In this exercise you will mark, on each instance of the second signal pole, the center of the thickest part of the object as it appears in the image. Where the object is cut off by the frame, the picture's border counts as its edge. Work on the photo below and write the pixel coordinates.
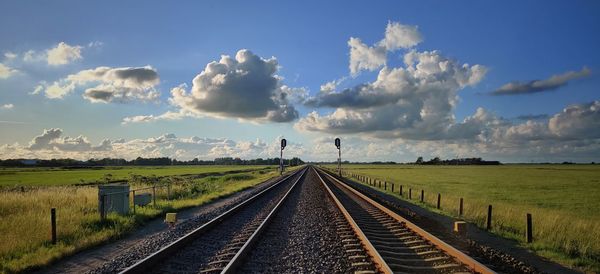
(283, 143)
(338, 144)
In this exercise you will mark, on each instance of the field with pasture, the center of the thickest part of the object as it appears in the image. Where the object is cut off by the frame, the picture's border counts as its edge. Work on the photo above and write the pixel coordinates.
(564, 201)
(40, 176)
(25, 212)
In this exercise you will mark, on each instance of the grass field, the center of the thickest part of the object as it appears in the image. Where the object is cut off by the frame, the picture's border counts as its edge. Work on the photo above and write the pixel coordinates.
(62, 176)
(25, 225)
(563, 199)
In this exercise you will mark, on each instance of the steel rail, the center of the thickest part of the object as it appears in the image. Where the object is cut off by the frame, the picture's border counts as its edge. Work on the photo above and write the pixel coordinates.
(237, 260)
(166, 251)
(380, 264)
(438, 243)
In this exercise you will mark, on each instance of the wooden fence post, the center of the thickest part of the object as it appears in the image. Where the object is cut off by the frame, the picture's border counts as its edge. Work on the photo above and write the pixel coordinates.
(102, 206)
(410, 193)
(384, 185)
(392, 187)
(460, 207)
(422, 195)
(401, 190)
(154, 195)
(133, 193)
(438, 201)
(53, 223)
(529, 229)
(489, 218)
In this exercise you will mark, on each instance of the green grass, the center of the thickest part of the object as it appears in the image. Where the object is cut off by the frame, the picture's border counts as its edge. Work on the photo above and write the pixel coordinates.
(62, 176)
(25, 225)
(563, 199)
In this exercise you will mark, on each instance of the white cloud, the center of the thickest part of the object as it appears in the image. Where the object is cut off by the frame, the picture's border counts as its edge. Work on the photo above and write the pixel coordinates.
(52, 144)
(63, 54)
(414, 102)
(363, 57)
(244, 87)
(95, 44)
(121, 85)
(7, 106)
(9, 56)
(33, 56)
(577, 121)
(6, 71)
(169, 115)
(397, 36)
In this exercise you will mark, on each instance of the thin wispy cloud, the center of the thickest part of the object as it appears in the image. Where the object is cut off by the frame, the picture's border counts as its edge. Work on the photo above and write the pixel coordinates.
(536, 86)
(532, 117)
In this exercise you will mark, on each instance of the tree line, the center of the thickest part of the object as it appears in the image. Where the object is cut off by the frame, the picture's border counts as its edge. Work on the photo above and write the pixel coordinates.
(461, 161)
(139, 161)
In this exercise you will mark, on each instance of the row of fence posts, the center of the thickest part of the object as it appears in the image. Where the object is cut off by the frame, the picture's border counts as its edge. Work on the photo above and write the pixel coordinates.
(488, 224)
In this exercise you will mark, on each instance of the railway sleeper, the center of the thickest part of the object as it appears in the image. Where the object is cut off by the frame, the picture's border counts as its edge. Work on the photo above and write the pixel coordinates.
(397, 247)
(424, 269)
(420, 261)
(407, 254)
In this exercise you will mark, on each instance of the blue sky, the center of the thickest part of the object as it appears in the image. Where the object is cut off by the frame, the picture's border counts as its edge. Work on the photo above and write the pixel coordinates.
(512, 41)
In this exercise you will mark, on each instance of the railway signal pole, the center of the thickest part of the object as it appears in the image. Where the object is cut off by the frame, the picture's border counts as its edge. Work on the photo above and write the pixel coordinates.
(338, 144)
(283, 143)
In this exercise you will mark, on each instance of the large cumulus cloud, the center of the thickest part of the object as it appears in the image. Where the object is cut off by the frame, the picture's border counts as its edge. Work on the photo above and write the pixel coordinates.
(244, 87)
(415, 101)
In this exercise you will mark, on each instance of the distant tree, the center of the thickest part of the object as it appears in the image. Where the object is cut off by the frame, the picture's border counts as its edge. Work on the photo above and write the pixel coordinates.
(419, 160)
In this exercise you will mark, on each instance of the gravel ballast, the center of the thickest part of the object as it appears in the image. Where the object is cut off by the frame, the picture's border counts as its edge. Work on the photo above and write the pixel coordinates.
(154, 242)
(197, 255)
(303, 236)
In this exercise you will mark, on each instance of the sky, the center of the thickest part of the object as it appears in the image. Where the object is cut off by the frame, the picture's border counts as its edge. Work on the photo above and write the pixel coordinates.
(515, 81)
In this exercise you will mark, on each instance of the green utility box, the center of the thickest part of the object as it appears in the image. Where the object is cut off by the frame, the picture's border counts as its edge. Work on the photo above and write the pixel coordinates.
(113, 198)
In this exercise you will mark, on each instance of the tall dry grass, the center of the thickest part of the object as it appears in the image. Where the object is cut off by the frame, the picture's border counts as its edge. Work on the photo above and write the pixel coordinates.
(25, 241)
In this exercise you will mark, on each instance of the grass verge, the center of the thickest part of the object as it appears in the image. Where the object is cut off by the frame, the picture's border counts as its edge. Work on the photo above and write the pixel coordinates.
(25, 227)
(563, 200)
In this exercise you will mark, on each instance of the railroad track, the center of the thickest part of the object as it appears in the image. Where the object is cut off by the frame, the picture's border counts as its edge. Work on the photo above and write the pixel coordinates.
(394, 244)
(228, 237)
